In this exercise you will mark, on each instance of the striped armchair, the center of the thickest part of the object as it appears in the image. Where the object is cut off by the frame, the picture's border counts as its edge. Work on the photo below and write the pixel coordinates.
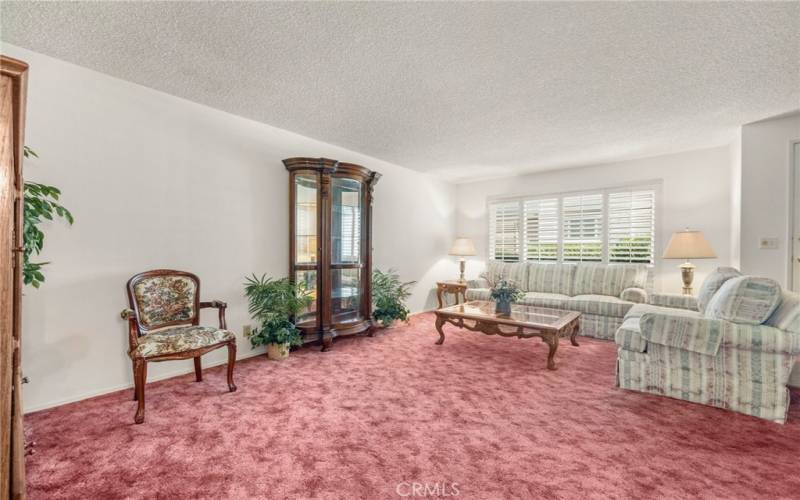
(735, 350)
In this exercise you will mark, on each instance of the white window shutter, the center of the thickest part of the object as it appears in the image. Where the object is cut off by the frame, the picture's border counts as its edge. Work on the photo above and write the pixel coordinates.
(540, 227)
(504, 233)
(582, 228)
(631, 226)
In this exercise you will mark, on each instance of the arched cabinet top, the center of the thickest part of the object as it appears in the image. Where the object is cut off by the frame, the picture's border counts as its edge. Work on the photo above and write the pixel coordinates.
(328, 166)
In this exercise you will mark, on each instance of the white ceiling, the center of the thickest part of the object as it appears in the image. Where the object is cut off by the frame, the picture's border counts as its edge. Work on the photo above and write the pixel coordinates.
(464, 90)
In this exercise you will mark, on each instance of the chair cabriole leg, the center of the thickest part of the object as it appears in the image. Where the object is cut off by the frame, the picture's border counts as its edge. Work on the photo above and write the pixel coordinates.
(231, 363)
(140, 370)
(198, 369)
(135, 381)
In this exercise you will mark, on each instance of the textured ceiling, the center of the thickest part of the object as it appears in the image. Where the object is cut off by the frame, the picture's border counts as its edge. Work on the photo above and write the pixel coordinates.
(465, 90)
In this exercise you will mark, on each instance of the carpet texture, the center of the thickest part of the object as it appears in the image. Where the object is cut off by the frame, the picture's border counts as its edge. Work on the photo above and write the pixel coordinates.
(479, 416)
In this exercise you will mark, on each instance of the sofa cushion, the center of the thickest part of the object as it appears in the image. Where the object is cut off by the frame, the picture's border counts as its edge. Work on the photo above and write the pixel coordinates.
(629, 336)
(180, 339)
(605, 279)
(787, 314)
(745, 299)
(541, 299)
(478, 294)
(712, 283)
(639, 310)
(603, 305)
(638, 295)
(550, 278)
(516, 272)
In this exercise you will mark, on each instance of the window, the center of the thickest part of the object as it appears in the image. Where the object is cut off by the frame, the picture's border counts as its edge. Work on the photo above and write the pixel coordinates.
(582, 225)
(541, 229)
(504, 237)
(631, 226)
(612, 225)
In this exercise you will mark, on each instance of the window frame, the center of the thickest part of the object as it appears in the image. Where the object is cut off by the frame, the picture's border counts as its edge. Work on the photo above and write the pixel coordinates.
(652, 185)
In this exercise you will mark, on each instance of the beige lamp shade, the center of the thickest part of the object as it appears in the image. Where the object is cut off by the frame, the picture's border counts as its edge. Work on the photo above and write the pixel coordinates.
(688, 245)
(462, 247)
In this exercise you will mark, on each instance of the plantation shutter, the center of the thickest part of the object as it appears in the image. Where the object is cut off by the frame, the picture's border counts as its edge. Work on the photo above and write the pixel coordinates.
(582, 217)
(504, 237)
(541, 229)
(631, 226)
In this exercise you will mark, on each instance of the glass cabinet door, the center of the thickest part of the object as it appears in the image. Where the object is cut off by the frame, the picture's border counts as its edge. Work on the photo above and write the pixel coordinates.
(330, 245)
(305, 240)
(346, 252)
(305, 219)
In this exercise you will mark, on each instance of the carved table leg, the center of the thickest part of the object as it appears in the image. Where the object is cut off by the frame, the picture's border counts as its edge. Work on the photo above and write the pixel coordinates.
(439, 298)
(574, 334)
(439, 324)
(552, 343)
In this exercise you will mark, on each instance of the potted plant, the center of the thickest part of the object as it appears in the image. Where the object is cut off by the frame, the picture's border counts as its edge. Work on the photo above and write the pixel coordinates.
(388, 297)
(505, 292)
(274, 303)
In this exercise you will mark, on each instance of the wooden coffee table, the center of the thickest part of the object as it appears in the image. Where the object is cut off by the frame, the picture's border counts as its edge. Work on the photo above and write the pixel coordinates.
(523, 322)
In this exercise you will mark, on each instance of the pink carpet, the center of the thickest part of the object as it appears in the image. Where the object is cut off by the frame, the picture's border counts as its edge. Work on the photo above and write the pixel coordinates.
(375, 415)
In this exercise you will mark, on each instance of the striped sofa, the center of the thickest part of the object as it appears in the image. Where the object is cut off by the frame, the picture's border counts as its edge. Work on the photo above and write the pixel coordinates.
(602, 293)
(733, 347)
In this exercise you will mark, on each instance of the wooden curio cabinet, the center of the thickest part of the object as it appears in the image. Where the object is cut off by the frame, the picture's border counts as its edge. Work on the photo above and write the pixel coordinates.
(330, 245)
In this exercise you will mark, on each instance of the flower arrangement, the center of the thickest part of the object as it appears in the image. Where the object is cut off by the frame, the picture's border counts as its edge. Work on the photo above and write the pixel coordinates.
(505, 292)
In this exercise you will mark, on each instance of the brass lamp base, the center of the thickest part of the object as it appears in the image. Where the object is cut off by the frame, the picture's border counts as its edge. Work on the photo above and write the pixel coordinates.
(462, 265)
(687, 275)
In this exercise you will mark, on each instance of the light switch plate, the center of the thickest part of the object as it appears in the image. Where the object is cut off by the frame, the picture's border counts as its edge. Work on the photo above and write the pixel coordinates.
(768, 243)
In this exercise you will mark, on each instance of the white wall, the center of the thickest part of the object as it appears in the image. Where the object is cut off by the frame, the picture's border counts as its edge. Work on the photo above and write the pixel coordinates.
(767, 195)
(156, 181)
(695, 192)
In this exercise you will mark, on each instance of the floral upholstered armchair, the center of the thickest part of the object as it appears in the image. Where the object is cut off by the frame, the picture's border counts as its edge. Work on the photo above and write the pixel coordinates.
(163, 324)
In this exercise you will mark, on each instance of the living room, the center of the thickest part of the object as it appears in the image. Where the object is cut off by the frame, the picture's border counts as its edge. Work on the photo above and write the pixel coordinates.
(390, 249)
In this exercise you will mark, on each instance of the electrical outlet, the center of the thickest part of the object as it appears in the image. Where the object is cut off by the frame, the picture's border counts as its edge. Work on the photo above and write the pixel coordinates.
(768, 243)
(247, 330)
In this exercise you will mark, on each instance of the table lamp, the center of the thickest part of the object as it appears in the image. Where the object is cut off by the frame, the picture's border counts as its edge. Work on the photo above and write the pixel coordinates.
(688, 245)
(462, 247)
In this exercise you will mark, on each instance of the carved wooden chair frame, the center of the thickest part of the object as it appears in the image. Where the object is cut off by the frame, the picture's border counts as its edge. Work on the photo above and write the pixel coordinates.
(137, 329)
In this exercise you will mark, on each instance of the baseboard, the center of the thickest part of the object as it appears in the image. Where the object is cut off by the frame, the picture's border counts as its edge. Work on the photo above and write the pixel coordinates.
(176, 373)
(122, 387)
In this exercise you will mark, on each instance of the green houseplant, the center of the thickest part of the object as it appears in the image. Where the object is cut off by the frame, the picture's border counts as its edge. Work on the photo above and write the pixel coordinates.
(505, 292)
(41, 203)
(273, 303)
(388, 297)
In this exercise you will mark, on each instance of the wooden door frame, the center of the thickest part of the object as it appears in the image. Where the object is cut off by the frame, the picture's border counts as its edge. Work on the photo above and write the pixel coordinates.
(17, 71)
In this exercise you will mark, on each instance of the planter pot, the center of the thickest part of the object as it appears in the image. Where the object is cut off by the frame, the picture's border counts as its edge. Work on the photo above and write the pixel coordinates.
(503, 307)
(277, 352)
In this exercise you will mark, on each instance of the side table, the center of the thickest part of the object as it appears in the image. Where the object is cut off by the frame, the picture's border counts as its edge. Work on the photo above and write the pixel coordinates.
(455, 287)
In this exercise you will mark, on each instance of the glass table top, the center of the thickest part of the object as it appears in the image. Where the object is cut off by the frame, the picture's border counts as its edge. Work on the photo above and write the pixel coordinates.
(520, 314)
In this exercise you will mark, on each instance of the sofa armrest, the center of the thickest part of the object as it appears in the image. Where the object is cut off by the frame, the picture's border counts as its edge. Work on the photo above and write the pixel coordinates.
(478, 283)
(675, 300)
(633, 294)
(700, 335)
(706, 336)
